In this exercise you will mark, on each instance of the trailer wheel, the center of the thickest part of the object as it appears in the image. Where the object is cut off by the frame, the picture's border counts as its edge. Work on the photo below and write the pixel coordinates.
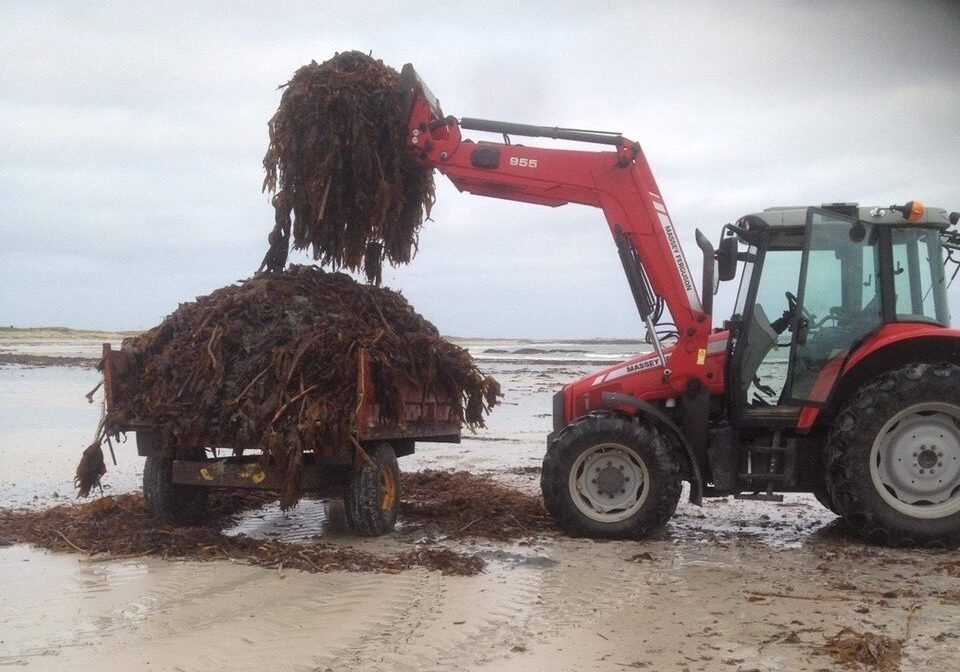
(610, 477)
(169, 501)
(894, 464)
(372, 500)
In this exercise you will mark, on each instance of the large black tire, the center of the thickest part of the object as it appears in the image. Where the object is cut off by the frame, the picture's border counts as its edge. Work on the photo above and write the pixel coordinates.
(820, 490)
(168, 501)
(893, 469)
(610, 477)
(823, 496)
(372, 500)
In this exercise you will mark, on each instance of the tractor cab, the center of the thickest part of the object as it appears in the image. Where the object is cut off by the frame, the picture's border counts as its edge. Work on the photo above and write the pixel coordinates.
(816, 283)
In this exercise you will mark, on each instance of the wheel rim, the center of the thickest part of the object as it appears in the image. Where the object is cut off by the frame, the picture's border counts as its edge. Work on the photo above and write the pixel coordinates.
(915, 461)
(388, 490)
(608, 482)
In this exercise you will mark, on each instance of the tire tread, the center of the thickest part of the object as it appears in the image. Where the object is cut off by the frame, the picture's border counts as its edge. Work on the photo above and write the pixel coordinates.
(850, 443)
(361, 502)
(661, 462)
(168, 501)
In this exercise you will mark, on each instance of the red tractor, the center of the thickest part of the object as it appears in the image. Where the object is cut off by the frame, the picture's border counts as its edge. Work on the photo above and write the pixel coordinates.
(837, 374)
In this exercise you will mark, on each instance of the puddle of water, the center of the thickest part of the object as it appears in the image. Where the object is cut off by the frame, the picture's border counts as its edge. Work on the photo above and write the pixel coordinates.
(308, 522)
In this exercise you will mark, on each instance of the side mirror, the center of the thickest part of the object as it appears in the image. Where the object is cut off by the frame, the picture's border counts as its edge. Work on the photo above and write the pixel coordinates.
(727, 258)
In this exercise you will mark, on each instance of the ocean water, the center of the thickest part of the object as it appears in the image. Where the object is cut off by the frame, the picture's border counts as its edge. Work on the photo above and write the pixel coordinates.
(590, 351)
(53, 343)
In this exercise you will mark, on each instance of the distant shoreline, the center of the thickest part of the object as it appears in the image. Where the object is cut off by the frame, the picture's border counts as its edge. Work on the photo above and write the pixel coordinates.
(45, 347)
(43, 361)
(89, 334)
(62, 332)
(42, 347)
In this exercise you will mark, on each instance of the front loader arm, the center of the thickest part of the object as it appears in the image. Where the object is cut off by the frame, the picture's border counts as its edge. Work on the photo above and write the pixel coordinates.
(619, 182)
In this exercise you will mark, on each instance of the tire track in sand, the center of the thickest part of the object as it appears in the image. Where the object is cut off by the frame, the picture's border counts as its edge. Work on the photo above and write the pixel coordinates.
(450, 624)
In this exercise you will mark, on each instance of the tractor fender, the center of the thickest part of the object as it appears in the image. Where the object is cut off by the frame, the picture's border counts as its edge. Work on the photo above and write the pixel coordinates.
(892, 347)
(624, 403)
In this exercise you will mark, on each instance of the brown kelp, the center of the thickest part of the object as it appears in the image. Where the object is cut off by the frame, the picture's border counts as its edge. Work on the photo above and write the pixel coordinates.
(121, 527)
(271, 363)
(344, 184)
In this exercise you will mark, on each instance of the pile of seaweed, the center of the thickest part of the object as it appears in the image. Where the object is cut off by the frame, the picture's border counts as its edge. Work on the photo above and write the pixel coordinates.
(272, 363)
(343, 182)
(452, 504)
(460, 504)
(118, 527)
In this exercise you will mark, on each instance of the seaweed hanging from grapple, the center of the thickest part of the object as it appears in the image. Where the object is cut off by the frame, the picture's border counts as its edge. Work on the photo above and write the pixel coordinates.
(344, 183)
(272, 364)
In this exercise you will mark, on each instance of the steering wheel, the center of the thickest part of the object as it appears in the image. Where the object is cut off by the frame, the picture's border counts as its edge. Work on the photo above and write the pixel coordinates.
(792, 303)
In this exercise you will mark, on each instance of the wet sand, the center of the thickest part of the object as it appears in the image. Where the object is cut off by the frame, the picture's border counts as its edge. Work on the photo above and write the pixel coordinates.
(555, 603)
(733, 586)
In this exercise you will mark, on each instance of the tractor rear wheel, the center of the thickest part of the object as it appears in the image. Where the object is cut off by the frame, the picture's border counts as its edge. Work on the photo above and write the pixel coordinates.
(372, 501)
(823, 496)
(894, 457)
(610, 477)
(820, 490)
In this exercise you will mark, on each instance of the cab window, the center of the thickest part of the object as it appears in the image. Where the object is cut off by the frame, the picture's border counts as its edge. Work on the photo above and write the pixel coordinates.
(918, 278)
(840, 301)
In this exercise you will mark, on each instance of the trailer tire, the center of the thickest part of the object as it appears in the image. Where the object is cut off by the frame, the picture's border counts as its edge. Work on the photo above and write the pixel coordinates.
(894, 463)
(637, 485)
(372, 500)
(168, 501)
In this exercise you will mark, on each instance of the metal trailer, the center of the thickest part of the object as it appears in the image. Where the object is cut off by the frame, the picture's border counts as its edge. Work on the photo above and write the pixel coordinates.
(177, 478)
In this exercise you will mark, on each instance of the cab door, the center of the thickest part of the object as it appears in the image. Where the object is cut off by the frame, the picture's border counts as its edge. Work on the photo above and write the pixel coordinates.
(838, 303)
(758, 356)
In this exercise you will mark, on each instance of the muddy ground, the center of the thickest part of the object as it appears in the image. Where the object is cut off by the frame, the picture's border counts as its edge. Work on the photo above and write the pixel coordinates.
(734, 585)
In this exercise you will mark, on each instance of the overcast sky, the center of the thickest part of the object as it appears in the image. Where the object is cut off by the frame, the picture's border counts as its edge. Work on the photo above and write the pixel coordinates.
(132, 134)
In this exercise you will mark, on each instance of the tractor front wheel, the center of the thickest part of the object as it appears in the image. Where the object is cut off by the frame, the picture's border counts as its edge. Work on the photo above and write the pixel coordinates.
(610, 477)
(894, 463)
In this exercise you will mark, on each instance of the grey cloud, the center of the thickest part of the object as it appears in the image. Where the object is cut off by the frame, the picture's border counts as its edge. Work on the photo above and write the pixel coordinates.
(132, 134)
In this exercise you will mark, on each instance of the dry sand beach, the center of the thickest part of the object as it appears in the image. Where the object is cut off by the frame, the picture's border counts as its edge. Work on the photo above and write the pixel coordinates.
(733, 586)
